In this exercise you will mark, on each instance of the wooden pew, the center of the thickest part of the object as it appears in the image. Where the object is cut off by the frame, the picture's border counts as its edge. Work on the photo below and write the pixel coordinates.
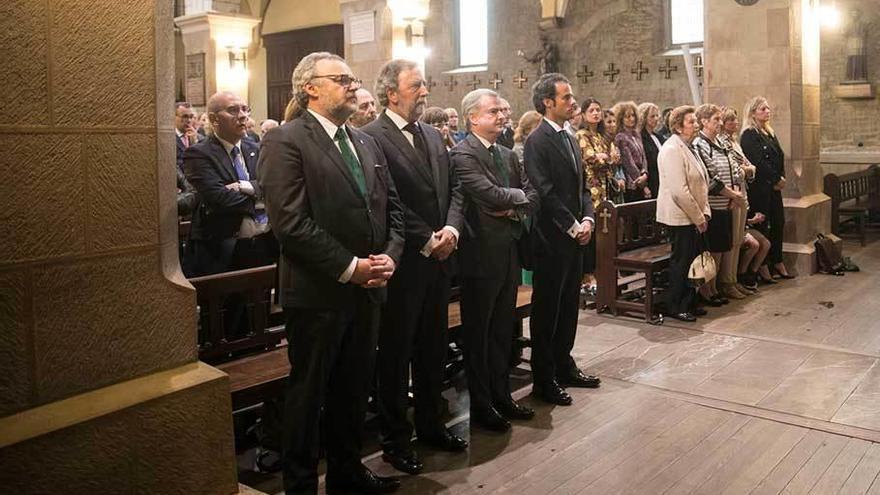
(253, 288)
(628, 239)
(853, 197)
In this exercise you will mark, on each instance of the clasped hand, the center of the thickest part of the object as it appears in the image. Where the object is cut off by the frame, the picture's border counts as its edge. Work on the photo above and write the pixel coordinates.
(373, 272)
(446, 243)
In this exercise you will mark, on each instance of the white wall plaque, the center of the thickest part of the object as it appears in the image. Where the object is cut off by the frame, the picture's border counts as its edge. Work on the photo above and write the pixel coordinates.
(361, 27)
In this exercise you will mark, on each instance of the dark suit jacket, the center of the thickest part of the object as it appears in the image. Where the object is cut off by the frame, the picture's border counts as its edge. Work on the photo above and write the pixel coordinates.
(209, 169)
(320, 216)
(180, 149)
(506, 137)
(484, 250)
(767, 156)
(560, 186)
(651, 153)
(430, 196)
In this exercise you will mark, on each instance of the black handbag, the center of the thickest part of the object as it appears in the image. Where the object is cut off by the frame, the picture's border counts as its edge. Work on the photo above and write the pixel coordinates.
(828, 255)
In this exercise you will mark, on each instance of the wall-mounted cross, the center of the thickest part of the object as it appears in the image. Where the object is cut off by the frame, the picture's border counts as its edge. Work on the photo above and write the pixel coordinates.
(668, 69)
(605, 215)
(451, 83)
(639, 71)
(430, 83)
(520, 80)
(585, 74)
(496, 81)
(611, 73)
(474, 83)
(698, 65)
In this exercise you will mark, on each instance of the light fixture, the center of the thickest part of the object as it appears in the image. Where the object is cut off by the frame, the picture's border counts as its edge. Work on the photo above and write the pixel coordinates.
(237, 58)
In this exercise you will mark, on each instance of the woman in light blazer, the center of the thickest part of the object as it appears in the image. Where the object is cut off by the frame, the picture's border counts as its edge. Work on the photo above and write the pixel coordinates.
(683, 206)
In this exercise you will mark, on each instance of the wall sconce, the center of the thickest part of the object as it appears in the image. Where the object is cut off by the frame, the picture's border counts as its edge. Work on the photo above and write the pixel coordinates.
(415, 29)
(237, 58)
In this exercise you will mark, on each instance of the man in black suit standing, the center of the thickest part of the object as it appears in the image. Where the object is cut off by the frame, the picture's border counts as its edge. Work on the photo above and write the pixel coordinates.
(185, 134)
(506, 137)
(498, 202)
(229, 229)
(336, 214)
(414, 327)
(563, 226)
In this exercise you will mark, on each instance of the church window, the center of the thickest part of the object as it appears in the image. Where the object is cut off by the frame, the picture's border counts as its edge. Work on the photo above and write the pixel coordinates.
(685, 22)
(473, 33)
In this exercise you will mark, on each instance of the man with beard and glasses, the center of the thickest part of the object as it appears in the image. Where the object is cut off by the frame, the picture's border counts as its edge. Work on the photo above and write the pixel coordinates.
(336, 214)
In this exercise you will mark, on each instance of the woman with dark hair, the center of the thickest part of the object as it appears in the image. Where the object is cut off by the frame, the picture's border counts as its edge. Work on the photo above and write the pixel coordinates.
(599, 158)
(617, 187)
(762, 148)
(436, 117)
(649, 117)
(632, 154)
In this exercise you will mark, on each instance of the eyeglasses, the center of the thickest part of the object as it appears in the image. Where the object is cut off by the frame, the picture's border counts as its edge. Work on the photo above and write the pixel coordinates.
(341, 79)
(236, 109)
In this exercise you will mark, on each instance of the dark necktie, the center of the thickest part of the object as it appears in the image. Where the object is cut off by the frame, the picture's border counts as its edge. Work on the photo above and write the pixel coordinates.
(348, 157)
(242, 174)
(499, 165)
(566, 142)
(418, 141)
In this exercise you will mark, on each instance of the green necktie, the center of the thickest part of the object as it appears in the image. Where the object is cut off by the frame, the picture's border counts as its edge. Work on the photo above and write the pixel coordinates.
(496, 156)
(351, 160)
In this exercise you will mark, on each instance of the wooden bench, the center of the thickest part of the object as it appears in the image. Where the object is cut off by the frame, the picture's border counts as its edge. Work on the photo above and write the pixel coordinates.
(223, 296)
(629, 239)
(854, 196)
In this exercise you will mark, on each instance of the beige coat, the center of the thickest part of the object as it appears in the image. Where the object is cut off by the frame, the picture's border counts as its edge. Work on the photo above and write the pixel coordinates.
(683, 197)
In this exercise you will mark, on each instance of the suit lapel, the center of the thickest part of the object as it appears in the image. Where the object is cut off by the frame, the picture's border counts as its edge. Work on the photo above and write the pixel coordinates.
(433, 155)
(366, 158)
(485, 158)
(553, 135)
(249, 154)
(395, 135)
(223, 159)
(320, 137)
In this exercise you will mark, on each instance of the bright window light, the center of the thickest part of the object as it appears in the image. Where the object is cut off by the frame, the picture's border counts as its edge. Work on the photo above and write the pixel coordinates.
(686, 18)
(473, 32)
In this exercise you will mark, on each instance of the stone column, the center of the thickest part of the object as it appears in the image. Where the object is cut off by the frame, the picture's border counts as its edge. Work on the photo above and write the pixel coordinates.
(772, 49)
(100, 387)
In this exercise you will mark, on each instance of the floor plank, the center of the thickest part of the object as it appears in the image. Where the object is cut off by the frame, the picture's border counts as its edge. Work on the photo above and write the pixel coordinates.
(866, 471)
(839, 471)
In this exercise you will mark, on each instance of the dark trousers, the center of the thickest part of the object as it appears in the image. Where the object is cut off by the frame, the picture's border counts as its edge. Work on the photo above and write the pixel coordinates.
(413, 335)
(556, 285)
(681, 297)
(776, 226)
(332, 353)
(487, 317)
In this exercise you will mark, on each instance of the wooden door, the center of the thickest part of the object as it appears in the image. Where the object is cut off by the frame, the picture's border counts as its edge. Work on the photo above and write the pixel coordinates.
(285, 50)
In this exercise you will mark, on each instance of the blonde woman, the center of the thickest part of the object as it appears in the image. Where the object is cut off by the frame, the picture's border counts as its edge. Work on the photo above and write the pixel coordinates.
(762, 148)
(528, 122)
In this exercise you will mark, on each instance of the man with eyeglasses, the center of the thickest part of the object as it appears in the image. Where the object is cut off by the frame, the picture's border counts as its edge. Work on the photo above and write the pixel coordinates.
(335, 211)
(229, 229)
(184, 129)
(414, 325)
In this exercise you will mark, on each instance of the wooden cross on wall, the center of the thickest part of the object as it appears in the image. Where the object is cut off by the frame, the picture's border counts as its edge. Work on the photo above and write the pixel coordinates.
(585, 74)
(520, 80)
(668, 69)
(451, 83)
(474, 82)
(611, 73)
(698, 65)
(639, 71)
(430, 83)
(496, 81)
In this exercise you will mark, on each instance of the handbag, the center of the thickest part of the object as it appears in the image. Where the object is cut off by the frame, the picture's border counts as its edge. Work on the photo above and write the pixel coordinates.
(829, 256)
(703, 267)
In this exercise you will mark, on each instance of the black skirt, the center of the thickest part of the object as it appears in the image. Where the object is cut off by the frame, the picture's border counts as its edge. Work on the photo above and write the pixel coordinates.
(719, 236)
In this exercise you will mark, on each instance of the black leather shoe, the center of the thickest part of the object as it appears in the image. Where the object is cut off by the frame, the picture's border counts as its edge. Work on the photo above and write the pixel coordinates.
(579, 379)
(443, 440)
(510, 409)
(699, 312)
(360, 481)
(552, 393)
(684, 316)
(714, 302)
(404, 460)
(489, 419)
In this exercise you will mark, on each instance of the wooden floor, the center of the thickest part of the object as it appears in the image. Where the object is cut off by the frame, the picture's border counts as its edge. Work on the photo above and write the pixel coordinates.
(779, 393)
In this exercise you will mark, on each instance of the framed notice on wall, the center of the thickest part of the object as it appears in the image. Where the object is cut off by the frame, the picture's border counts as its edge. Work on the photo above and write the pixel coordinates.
(195, 79)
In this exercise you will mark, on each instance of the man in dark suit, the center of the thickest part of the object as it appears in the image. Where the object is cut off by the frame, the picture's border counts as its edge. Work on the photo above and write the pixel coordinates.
(184, 129)
(335, 211)
(506, 137)
(563, 225)
(229, 229)
(414, 326)
(498, 200)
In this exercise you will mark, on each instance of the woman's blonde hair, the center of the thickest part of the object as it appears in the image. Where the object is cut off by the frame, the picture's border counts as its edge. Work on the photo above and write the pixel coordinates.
(676, 117)
(644, 109)
(749, 121)
(728, 114)
(705, 112)
(527, 123)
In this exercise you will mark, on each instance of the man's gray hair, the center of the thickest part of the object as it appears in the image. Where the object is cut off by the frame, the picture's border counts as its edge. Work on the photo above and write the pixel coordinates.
(302, 74)
(471, 102)
(389, 76)
(215, 103)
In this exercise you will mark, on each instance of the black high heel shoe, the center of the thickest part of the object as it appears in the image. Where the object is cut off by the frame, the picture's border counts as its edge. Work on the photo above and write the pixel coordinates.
(768, 281)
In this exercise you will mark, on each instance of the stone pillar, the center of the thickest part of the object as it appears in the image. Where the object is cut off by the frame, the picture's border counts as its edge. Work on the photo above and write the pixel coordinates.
(101, 390)
(772, 49)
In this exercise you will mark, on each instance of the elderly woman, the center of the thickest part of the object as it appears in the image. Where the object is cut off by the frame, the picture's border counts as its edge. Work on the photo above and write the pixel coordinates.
(437, 118)
(725, 196)
(683, 206)
(632, 154)
(527, 123)
(649, 117)
(761, 147)
(600, 158)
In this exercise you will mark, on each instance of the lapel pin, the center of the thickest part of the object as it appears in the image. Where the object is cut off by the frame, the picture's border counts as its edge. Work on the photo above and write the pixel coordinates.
(252, 153)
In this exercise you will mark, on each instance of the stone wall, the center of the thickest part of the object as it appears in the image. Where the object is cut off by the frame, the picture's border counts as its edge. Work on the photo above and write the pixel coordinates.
(850, 125)
(594, 33)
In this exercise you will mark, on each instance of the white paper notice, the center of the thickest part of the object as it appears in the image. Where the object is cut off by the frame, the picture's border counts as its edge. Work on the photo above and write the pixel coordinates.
(362, 27)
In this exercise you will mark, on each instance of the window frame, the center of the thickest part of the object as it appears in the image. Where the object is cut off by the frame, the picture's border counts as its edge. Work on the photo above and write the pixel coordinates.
(667, 34)
(459, 64)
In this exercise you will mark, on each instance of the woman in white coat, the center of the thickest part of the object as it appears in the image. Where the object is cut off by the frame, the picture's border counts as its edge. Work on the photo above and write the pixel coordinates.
(683, 206)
